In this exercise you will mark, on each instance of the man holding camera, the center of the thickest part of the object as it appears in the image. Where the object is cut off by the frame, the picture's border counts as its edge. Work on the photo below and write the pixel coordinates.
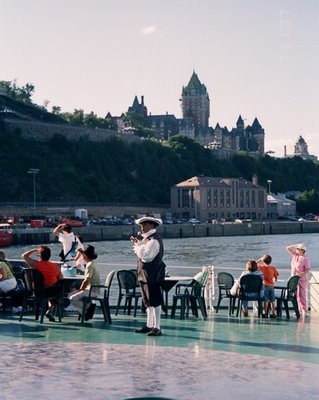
(149, 249)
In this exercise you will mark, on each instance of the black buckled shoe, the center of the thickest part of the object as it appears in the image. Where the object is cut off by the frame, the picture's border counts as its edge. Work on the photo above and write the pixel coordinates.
(155, 332)
(144, 329)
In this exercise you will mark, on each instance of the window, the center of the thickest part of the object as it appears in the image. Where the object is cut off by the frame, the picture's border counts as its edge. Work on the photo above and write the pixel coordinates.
(247, 198)
(228, 198)
(209, 198)
(185, 198)
(241, 199)
(261, 199)
(215, 201)
(222, 198)
(253, 198)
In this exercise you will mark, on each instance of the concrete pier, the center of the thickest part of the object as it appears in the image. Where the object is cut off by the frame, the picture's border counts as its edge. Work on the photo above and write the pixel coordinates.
(123, 232)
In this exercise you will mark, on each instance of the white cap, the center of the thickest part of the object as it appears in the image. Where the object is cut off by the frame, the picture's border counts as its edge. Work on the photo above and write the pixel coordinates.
(301, 246)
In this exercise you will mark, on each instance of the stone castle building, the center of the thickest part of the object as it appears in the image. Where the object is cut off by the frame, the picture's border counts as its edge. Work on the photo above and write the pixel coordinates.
(162, 126)
(32, 121)
(195, 105)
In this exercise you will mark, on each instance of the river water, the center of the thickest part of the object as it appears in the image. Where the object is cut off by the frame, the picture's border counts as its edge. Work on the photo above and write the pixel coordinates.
(187, 255)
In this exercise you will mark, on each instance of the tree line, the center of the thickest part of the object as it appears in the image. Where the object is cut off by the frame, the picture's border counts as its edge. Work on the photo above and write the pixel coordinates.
(115, 171)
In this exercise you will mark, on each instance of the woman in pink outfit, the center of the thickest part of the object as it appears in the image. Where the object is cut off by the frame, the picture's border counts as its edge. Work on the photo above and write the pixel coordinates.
(300, 265)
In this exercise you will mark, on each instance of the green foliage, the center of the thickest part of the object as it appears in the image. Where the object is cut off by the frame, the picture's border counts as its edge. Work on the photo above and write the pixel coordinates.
(308, 202)
(23, 93)
(90, 120)
(139, 173)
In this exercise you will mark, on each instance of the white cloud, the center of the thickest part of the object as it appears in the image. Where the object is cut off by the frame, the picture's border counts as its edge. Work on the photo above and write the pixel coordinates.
(149, 30)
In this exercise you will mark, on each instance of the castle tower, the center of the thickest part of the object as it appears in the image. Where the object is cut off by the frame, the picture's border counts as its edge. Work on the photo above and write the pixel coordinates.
(138, 108)
(301, 148)
(195, 104)
(258, 134)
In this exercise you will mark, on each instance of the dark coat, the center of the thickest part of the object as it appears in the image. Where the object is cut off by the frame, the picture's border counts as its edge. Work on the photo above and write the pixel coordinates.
(154, 271)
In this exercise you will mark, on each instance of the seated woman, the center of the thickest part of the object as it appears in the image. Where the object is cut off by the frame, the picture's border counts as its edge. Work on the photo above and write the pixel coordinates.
(91, 277)
(251, 269)
(8, 282)
(51, 274)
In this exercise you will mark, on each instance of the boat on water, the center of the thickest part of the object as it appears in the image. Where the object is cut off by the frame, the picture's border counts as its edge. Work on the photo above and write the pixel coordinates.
(6, 235)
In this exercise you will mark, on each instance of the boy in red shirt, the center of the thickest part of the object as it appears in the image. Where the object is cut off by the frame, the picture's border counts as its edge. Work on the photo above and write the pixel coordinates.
(270, 276)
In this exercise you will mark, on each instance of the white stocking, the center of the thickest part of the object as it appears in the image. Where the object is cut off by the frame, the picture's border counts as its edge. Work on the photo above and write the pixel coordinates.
(150, 317)
(157, 312)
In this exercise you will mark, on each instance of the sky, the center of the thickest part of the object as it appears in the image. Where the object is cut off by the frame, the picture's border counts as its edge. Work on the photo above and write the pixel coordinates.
(257, 58)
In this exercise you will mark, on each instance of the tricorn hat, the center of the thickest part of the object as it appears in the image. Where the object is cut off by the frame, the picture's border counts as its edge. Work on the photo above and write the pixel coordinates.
(151, 220)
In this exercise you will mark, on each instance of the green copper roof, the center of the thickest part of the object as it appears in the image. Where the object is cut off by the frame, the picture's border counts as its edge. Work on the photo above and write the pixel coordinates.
(194, 84)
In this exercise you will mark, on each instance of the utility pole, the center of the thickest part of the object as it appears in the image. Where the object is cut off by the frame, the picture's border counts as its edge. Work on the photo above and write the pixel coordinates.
(34, 172)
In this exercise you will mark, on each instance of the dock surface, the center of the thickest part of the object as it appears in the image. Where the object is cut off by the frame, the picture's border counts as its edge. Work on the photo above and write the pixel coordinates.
(223, 358)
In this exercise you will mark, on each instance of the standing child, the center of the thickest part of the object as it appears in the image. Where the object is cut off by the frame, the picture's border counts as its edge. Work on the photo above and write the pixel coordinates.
(270, 277)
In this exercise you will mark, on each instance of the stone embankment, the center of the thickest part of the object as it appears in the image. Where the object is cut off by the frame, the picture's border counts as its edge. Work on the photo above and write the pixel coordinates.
(94, 233)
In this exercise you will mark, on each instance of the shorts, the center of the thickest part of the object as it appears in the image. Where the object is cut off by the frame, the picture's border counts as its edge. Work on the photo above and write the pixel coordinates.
(269, 294)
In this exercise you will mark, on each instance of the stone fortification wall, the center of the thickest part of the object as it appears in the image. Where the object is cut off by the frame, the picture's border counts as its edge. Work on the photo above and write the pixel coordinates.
(45, 131)
(94, 211)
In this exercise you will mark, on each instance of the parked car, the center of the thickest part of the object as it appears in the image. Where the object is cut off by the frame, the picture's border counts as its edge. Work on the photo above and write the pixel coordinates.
(292, 218)
(194, 221)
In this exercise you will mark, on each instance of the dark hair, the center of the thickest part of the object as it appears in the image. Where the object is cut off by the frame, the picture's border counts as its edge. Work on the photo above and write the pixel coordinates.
(45, 253)
(251, 266)
(267, 259)
(67, 228)
(90, 252)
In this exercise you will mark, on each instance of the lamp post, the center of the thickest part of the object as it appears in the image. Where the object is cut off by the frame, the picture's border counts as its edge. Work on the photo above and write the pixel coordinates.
(269, 185)
(34, 172)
